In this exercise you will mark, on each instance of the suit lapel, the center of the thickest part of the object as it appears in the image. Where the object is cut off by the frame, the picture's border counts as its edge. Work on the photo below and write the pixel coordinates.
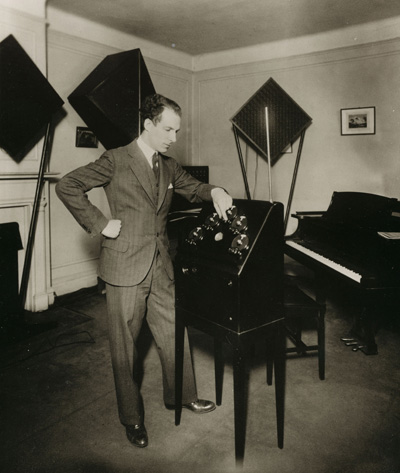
(165, 180)
(140, 168)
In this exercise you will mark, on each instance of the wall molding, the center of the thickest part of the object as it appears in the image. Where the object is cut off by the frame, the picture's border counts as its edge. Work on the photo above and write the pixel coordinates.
(67, 42)
(26, 7)
(355, 35)
(339, 55)
(71, 277)
(82, 28)
(16, 204)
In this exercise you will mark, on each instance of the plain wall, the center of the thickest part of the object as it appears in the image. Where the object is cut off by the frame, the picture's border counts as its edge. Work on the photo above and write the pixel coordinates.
(321, 82)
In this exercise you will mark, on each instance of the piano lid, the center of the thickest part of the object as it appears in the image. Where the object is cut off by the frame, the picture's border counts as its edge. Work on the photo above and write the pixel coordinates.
(286, 120)
(360, 208)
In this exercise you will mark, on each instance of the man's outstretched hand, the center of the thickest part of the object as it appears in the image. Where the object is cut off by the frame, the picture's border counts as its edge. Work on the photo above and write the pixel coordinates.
(222, 201)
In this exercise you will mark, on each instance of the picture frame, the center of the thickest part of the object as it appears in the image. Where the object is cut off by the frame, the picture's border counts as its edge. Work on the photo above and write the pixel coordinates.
(85, 138)
(357, 121)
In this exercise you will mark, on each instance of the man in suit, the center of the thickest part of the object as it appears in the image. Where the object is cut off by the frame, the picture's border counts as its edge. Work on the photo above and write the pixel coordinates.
(135, 264)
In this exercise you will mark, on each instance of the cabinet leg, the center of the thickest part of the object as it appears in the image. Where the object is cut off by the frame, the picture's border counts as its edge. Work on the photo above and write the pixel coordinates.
(240, 398)
(280, 376)
(219, 370)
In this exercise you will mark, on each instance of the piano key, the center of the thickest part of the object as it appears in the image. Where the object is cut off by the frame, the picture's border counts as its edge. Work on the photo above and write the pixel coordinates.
(327, 262)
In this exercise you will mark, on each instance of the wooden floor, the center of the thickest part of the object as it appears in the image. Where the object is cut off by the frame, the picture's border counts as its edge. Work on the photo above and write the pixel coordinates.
(59, 413)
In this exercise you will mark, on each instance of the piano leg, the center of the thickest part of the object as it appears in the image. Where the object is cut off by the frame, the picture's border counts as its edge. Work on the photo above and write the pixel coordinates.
(362, 333)
(365, 324)
(321, 287)
(365, 327)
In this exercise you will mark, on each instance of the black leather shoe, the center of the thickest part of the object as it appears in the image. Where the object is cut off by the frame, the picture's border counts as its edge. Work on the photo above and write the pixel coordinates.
(200, 406)
(137, 435)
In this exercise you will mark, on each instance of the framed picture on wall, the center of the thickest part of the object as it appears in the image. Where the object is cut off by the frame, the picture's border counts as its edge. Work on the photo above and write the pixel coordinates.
(357, 121)
(85, 138)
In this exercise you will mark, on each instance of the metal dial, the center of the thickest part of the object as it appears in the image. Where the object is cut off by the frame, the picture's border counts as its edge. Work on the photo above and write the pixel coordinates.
(212, 220)
(195, 235)
(239, 223)
(231, 213)
(240, 243)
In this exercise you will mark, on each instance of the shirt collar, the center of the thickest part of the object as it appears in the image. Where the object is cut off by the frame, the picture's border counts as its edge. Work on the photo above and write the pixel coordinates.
(147, 150)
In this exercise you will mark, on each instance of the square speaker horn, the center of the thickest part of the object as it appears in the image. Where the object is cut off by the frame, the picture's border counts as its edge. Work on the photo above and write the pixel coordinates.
(27, 100)
(110, 97)
(286, 120)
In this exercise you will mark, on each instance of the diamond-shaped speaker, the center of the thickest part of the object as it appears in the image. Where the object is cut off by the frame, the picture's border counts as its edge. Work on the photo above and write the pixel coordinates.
(27, 100)
(110, 97)
(286, 120)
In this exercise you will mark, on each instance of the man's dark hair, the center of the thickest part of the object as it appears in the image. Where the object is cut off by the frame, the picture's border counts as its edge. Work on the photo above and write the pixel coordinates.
(154, 106)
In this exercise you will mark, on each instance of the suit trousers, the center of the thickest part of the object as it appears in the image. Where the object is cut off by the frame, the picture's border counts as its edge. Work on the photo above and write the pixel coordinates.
(153, 298)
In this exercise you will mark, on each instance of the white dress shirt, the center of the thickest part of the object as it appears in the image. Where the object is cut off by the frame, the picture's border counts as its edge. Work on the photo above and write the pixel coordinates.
(147, 151)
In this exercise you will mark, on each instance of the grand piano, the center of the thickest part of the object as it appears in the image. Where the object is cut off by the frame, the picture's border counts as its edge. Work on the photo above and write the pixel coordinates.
(355, 242)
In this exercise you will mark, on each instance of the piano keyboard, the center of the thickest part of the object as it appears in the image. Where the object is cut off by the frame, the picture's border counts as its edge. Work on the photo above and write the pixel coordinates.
(327, 262)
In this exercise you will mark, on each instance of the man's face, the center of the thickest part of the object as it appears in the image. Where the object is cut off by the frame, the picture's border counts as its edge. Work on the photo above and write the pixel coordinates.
(162, 134)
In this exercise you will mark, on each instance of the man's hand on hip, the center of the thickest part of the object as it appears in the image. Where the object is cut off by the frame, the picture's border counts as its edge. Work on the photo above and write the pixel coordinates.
(222, 201)
(113, 229)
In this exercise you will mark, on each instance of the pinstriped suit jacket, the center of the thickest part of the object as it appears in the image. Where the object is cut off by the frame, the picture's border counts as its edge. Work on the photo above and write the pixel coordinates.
(130, 186)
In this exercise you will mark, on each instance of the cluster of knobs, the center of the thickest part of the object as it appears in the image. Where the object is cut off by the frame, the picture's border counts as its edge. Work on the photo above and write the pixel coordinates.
(235, 226)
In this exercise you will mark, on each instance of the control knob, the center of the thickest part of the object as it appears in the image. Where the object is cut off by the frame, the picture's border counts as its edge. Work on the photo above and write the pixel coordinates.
(239, 244)
(231, 212)
(211, 221)
(195, 235)
(239, 224)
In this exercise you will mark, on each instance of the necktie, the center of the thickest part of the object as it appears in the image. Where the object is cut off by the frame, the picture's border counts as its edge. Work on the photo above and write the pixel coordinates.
(155, 165)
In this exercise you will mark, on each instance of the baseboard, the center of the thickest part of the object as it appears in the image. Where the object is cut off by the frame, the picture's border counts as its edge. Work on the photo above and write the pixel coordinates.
(73, 277)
